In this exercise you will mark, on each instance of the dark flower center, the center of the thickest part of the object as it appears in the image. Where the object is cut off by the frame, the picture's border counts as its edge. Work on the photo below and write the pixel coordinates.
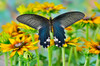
(19, 45)
(98, 47)
(48, 8)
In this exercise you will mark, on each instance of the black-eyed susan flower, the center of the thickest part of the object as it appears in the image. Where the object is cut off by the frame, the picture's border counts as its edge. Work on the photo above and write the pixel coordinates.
(87, 19)
(36, 37)
(20, 25)
(96, 20)
(20, 44)
(94, 47)
(68, 41)
(50, 7)
(22, 9)
(80, 48)
(30, 9)
(13, 29)
(68, 28)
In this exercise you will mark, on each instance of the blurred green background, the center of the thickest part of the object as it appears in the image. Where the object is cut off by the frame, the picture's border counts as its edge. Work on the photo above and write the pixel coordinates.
(8, 10)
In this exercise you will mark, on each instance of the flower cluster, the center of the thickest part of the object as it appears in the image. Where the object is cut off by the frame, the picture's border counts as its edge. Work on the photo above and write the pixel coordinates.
(41, 9)
(18, 41)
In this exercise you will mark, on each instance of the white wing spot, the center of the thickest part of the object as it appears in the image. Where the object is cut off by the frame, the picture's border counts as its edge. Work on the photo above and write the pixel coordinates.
(56, 44)
(44, 42)
(59, 41)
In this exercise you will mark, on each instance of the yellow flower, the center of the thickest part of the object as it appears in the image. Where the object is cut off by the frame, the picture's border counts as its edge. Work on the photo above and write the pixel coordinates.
(34, 7)
(21, 25)
(22, 9)
(96, 20)
(68, 28)
(36, 37)
(51, 42)
(80, 48)
(68, 41)
(94, 47)
(97, 5)
(20, 44)
(13, 29)
(50, 7)
(30, 9)
(79, 21)
(88, 20)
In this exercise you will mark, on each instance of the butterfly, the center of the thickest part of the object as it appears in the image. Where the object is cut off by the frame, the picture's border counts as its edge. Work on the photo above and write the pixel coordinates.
(45, 25)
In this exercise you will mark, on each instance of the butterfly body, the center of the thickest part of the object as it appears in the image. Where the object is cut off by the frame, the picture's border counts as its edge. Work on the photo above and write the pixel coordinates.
(55, 25)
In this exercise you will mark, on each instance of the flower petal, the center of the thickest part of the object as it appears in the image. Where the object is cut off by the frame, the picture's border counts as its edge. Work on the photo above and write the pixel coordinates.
(12, 53)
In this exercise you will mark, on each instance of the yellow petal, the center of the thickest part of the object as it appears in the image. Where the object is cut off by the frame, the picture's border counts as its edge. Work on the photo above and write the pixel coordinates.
(65, 45)
(67, 39)
(20, 52)
(12, 53)
(12, 41)
(75, 40)
(24, 48)
(71, 43)
(33, 48)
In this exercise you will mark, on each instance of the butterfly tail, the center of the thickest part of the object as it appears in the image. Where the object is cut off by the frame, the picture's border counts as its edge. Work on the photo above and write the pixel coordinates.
(44, 36)
(58, 34)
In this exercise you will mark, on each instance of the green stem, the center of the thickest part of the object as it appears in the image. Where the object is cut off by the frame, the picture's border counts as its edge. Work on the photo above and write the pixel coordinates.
(50, 56)
(28, 64)
(36, 51)
(11, 62)
(87, 31)
(50, 51)
(98, 60)
(59, 57)
(6, 58)
(15, 60)
(63, 55)
(20, 61)
(75, 50)
(87, 61)
(70, 56)
(37, 55)
(76, 55)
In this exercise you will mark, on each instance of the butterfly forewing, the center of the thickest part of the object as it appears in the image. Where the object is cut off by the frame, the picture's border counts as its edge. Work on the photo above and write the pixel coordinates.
(33, 20)
(68, 18)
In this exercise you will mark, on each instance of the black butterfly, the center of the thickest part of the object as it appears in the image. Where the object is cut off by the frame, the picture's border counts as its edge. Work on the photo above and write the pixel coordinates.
(45, 26)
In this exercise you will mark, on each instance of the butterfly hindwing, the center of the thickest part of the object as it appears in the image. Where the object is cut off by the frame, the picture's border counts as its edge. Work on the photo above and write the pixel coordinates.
(59, 34)
(63, 21)
(44, 35)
